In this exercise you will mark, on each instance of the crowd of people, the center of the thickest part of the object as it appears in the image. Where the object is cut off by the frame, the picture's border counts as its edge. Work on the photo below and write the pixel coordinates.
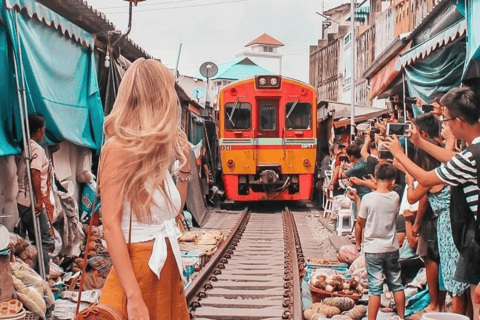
(417, 190)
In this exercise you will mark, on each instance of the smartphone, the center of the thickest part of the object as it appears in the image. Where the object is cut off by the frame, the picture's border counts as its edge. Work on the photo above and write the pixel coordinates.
(344, 158)
(399, 129)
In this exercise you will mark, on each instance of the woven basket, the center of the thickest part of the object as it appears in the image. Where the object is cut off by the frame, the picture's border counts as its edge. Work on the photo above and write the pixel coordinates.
(18, 316)
(30, 316)
(318, 294)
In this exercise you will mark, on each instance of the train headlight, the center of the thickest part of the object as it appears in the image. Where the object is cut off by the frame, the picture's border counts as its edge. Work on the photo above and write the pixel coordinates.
(230, 163)
(306, 163)
(273, 81)
(262, 81)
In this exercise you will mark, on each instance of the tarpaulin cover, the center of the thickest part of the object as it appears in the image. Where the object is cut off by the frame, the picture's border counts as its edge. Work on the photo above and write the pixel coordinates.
(441, 71)
(9, 116)
(471, 9)
(59, 72)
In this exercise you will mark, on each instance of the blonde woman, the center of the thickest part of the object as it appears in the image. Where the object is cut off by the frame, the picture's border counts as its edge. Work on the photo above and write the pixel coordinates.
(142, 141)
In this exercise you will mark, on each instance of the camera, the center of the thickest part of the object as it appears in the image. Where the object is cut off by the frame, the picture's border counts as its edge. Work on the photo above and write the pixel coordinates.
(344, 158)
(386, 116)
(373, 132)
(398, 129)
(427, 108)
(385, 155)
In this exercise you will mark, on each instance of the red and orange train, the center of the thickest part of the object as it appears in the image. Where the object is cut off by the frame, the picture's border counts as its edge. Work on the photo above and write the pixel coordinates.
(267, 131)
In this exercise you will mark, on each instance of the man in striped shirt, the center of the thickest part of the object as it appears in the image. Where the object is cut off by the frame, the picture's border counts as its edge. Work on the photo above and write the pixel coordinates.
(462, 114)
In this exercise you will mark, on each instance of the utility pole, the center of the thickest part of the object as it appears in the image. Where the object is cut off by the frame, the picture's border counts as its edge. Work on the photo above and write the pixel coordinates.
(352, 79)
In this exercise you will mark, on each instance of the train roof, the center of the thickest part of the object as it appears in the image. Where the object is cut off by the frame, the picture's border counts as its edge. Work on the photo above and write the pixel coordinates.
(259, 75)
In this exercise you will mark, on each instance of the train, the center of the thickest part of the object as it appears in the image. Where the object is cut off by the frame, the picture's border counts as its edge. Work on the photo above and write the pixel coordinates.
(267, 139)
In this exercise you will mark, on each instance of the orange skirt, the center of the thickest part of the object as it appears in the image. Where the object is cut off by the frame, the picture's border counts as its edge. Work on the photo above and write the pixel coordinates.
(164, 297)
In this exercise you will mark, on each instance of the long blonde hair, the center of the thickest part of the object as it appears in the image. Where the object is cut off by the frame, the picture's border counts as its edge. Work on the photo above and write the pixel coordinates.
(144, 121)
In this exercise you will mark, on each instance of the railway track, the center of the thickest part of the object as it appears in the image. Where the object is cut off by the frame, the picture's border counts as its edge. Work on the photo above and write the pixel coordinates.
(256, 273)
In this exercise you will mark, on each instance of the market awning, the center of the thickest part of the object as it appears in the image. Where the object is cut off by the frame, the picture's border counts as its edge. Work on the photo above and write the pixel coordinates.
(59, 71)
(386, 76)
(371, 113)
(422, 50)
(341, 112)
(472, 64)
(51, 19)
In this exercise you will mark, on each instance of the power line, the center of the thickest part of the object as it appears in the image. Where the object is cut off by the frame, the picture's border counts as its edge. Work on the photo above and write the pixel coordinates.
(181, 7)
(146, 5)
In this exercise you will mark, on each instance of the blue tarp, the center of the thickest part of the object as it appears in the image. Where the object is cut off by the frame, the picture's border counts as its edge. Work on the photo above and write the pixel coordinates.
(441, 71)
(9, 116)
(471, 10)
(59, 72)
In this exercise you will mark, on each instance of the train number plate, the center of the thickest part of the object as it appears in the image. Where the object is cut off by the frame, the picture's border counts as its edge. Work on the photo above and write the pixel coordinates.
(307, 146)
(225, 148)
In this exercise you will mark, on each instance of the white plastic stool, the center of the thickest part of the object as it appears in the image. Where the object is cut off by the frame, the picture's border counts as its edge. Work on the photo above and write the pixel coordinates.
(344, 222)
(328, 208)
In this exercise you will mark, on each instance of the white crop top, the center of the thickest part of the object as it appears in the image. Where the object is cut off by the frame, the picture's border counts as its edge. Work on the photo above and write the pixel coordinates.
(163, 226)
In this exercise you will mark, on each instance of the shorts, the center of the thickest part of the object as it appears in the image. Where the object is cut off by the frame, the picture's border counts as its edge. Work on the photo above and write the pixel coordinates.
(427, 240)
(380, 267)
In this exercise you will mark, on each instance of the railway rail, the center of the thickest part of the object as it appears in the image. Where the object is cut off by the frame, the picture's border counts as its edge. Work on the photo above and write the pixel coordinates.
(255, 275)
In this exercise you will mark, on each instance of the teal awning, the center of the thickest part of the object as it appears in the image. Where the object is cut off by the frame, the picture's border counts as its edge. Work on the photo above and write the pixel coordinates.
(440, 72)
(361, 12)
(424, 49)
(472, 66)
(59, 72)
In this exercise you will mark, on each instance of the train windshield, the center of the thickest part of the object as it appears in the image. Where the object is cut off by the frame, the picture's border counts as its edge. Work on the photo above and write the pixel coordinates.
(238, 115)
(298, 115)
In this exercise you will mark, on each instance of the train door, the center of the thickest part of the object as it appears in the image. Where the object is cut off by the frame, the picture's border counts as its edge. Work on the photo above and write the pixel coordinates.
(267, 118)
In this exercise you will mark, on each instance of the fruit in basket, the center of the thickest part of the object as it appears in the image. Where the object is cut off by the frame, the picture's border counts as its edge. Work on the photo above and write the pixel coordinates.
(359, 289)
(338, 285)
(329, 288)
(348, 292)
(357, 313)
(353, 283)
(342, 303)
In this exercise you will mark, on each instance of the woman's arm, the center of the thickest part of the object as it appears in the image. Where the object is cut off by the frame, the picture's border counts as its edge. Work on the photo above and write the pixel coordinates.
(411, 238)
(112, 210)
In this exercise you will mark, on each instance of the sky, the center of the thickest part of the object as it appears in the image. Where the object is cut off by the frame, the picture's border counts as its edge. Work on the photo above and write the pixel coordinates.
(216, 30)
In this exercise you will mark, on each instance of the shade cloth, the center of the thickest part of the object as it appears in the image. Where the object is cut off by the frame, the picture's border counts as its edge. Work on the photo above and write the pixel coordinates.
(422, 50)
(59, 72)
(440, 72)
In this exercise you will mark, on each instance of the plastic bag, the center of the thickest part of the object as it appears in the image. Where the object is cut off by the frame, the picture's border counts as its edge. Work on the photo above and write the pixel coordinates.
(88, 196)
(347, 254)
(358, 270)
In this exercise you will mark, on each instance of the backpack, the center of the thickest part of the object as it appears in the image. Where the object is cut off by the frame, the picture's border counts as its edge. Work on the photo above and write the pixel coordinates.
(465, 228)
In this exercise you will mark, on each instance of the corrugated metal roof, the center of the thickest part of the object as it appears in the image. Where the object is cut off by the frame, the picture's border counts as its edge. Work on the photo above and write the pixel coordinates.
(95, 22)
(237, 69)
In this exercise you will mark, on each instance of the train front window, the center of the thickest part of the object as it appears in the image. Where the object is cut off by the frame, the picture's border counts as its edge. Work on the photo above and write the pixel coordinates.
(298, 115)
(238, 115)
(268, 116)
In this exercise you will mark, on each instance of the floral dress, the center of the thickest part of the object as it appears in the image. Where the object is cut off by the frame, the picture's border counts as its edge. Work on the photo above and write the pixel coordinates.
(440, 203)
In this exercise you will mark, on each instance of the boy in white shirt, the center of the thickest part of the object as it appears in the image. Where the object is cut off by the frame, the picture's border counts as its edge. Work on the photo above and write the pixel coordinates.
(376, 222)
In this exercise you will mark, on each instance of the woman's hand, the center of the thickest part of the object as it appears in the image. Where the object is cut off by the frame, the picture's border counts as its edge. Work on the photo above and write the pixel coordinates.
(355, 181)
(352, 194)
(137, 309)
(446, 132)
(393, 144)
(416, 229)
(409, 215)
(415, 136)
